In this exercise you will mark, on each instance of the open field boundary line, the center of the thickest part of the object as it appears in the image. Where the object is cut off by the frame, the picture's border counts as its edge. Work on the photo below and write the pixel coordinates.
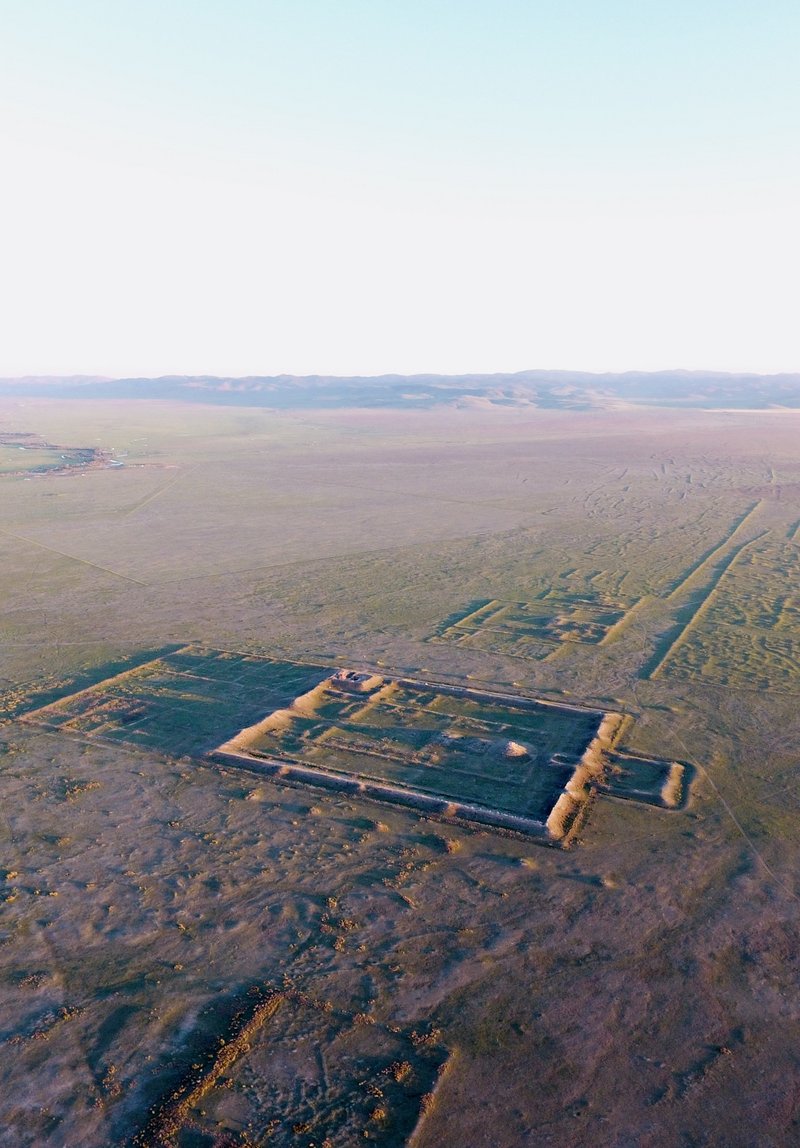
(745, 835)
(458, 617)
(500, 503)
(198, 647)
(491, 696)
(34, 715)
(477, 617)
(338, 556)
(72, 557)
(484, 722)
(48, 729)
(709, 559)
(295, 773)
(559, 650)
(454, 688)
(168, 1115)
(385, 672)
(614, 632)
(54, 644)
(360, 786)
(155, 493)
(704, 604)
(429, 1100)
(552, 644)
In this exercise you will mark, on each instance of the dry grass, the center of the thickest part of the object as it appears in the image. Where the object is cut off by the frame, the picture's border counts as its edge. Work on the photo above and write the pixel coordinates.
(637, 956)
(172, 1112)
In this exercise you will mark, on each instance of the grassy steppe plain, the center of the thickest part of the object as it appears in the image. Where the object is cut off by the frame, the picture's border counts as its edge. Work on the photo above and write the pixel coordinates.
(641, 989)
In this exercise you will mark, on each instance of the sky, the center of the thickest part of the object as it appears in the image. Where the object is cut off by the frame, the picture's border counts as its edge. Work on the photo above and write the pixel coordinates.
(367, 186)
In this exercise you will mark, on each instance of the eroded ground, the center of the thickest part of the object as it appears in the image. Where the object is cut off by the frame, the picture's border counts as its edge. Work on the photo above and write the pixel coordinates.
(446, 984)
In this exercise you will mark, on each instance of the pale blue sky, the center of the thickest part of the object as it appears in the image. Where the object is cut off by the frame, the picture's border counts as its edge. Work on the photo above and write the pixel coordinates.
(358, 186)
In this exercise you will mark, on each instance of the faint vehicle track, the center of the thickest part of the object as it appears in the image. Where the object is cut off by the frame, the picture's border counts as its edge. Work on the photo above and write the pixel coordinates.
(71, 557)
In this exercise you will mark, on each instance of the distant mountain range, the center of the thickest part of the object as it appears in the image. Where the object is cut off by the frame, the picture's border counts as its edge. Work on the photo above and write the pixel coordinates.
(566, 390)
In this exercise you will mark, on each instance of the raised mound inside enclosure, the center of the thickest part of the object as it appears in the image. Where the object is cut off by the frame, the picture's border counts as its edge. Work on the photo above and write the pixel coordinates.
(512, 762)
(484, 757)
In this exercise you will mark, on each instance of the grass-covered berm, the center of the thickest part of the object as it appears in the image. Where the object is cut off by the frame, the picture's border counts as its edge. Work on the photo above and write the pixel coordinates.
(193, 955)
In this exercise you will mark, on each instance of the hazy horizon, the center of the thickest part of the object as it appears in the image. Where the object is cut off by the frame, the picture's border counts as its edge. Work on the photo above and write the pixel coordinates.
(694, 372)
(272, 188)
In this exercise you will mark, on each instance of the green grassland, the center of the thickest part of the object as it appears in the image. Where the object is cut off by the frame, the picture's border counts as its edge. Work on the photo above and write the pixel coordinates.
(23, 458)
(146, 890)
(28, 454)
